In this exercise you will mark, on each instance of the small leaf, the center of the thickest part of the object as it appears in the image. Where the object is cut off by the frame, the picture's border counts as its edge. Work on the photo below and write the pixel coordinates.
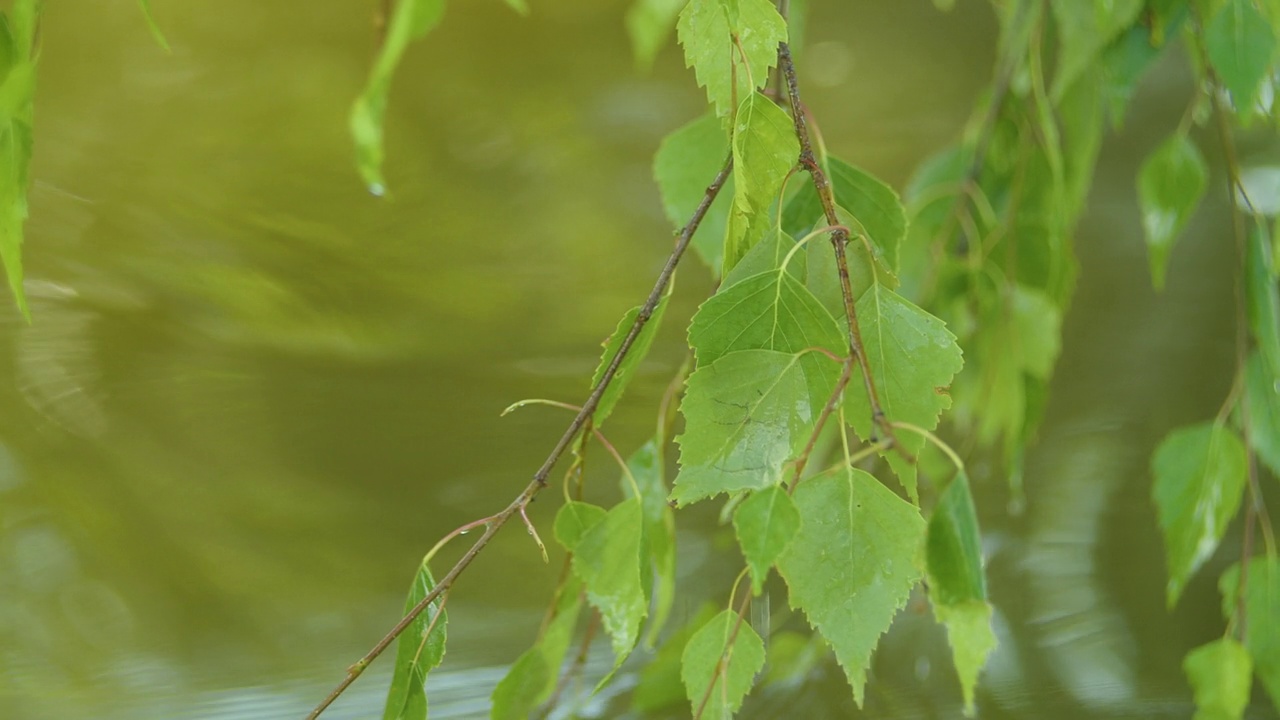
(742, 424)
(156, 33)
(1262, 607)
(1262, 392)
(731, 45)
(627, 369)
(1264, 300)
(416, 653)
(1220, 673)
(1240, 44)
(533, 676)
(649, 24)
(1037, 331)
(607, 560)
(687, 161)
(1170, 185)
(573, 520)
(411, 20)
(765, 524)
(719, 672)
(764, 151)
(872, 204)
(853, 563)
(1199, 478)
(972, 642)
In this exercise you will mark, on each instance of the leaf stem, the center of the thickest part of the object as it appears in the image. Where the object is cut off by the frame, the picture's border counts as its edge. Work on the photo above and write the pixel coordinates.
(833, 402)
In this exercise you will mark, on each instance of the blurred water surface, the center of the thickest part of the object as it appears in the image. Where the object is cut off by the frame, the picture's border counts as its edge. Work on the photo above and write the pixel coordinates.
(252, 395)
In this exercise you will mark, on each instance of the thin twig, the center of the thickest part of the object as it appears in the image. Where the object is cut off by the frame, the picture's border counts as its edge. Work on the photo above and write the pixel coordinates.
(539, 480)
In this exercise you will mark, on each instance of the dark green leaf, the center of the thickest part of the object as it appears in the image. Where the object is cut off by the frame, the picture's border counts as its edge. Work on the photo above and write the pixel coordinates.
(1220, 674)
(1261, 607)
(152, 25)
(573, 520)
(731, 45)
(417, 652)
(1264, 300)
(411, 20)
(1262, 393)
(1170, 185)
(853, 563)
(873, 205)
(627, 369)
(742, 424)
(1240, 43)
(687, 161)
(649, 24)
(533, 676)
(765, 523)
(1199, 478)
(607, 560)
(719, 666)
(764, 151)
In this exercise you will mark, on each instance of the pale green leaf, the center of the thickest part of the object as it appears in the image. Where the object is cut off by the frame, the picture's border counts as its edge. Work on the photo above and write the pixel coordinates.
(607, 560)
(1085, 28)
(1261, 607)
(1037, 331)
(660, 686)
(534, 675)
(873, 206)
(731, 45)
(411, 20)
(417, 652)
(765, 524)
(744, 419)
(972, 642)
(687, 161)
(1263, 297)
(647, 467)
(1170, 184)
(573, 520)
(1220, 673)
(719, 667)
(912, 357)
(1199, 478)
(764, 151)
(1262, 393)
(1240, 43)
(156, 33)
(635, 355)
(853, 563)
(649, 24)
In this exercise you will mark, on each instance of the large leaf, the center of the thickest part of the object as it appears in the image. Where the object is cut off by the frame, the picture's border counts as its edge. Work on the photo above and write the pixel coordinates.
(649, 24)
(1170, 185)
(1084, 29)
(1199, 478)
(534, 675)
(647, 467)
(1220, 674)
(417, 652)
(17, 95)
(635, 355)
(411, 20)
(1263, 298)
(873, 205)
(764, 151)
(1262, 607)
(853, 563)
(607, 560)
(687, 161)
(1240, 43)
(731, 45)
(717, 674)
(912, 358)
(742, 424)
(765, 524)
(1262, 391)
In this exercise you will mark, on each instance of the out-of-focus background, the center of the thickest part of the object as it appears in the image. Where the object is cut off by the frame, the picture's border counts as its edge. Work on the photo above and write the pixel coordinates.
(252, 395)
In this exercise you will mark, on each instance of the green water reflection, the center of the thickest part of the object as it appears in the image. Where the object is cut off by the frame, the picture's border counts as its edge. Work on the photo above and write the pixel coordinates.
(252, 395)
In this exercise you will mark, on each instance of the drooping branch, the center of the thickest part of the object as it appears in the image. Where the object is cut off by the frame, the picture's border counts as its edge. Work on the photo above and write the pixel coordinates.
(539, 481)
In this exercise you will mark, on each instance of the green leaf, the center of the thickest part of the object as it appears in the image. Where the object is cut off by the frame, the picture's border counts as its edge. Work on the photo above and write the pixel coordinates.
(1170, 184)
(520, 6)
(1264, 300)
(649, 24)
(853, 563)
(627, 369)
(156, 33)
(742, 424)
(719, 667)
(1240, 43)
(607, 560)
(647, 465)
(687, 161)
(17, 95)
(1037, 331)
(1220, 673)
(972, 642)
(1084, 29)
(1262, 607)
(766, 255)
(873, 205)
(411, 20)
(912, 357)
(731, 45)
(573, 520)
(660, 686)
(765, 523)
(533, 677)
(764, 151)
(1199, 478)
(1262, 393)
(417, 652)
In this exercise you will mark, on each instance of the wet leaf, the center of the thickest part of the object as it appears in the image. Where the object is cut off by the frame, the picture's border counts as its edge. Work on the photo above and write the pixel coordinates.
(636, 355)
(1199, 478)
(1262, 391)
(687, 161)
(534, 675)
(607, 560)
(722, 685)
(1170, 184)
(1240, 43)
(853, 563)
(416, 653)
(731, 47)
(156, 33)
(649, 24)
(765, 523)
(1262, 607)
(745, 417)
(873, 205)
(411, 20)
(764, 151)
(913, 358)
(1220, 673)
(573, 520)
(1264, 299)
